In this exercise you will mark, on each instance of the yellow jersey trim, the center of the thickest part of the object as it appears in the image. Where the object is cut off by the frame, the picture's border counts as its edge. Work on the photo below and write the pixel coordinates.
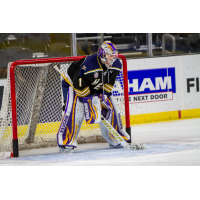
(95, 70)
(82, 93)
(99, 63)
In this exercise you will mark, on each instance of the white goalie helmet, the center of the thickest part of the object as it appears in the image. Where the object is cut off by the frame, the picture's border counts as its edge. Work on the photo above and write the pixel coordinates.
(108, 53)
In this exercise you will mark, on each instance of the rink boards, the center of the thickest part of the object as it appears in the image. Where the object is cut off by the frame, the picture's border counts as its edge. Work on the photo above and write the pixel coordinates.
(164, 88)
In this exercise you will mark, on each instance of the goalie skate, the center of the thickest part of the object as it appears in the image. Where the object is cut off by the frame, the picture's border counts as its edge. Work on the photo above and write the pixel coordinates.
(66, 149)
(118, 146)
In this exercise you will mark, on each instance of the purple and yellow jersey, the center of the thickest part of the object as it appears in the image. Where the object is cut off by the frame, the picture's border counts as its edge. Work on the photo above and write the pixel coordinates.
(90, 76)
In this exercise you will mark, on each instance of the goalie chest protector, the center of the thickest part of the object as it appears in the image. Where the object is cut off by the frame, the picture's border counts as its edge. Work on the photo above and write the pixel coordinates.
(89, 75)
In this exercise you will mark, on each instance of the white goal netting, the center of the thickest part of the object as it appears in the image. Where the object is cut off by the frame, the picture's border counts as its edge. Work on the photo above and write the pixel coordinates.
(39, 103)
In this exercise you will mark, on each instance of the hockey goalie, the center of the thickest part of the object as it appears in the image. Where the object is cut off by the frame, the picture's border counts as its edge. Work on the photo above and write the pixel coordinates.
(89, 95)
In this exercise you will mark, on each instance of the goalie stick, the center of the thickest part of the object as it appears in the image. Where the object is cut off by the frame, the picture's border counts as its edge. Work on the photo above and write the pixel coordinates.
(107, 125)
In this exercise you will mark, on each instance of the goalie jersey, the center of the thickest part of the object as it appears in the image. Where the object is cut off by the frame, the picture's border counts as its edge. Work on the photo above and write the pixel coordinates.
(90, 76)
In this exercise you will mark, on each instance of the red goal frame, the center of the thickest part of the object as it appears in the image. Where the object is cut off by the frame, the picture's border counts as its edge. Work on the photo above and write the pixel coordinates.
(51, 60)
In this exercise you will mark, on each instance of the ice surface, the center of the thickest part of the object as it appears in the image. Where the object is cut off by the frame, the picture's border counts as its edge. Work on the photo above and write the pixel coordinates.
(175, 143)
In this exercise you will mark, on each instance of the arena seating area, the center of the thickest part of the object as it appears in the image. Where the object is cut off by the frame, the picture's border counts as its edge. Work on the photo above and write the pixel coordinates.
(15, 46)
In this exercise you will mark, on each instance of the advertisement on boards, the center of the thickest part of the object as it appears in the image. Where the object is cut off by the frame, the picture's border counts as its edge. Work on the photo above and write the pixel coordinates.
(151, 85)
(162, 84)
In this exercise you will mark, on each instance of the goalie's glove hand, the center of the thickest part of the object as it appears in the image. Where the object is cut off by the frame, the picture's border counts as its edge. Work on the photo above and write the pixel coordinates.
(105, 104)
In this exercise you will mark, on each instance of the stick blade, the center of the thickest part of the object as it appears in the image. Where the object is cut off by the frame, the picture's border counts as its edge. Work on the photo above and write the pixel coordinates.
(135, 146)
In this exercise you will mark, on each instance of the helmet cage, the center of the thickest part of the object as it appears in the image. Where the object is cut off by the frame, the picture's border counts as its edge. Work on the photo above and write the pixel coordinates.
(107, 48)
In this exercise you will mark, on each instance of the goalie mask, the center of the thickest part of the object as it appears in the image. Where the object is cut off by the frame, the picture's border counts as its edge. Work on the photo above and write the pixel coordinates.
(108, 53)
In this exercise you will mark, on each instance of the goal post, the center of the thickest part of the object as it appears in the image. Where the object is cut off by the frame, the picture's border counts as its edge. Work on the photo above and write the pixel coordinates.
(126, 95)
(38, 87)
(13, 94)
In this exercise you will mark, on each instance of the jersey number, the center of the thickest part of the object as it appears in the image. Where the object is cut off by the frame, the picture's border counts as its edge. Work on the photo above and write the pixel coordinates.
(80, 82)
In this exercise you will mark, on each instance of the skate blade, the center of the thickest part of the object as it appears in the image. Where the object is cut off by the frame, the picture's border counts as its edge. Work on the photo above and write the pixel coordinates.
(66, 150)
(69, 151)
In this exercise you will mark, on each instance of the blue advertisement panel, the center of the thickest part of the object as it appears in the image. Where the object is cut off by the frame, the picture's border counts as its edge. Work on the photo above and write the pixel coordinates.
(149, 85)
(152, 81)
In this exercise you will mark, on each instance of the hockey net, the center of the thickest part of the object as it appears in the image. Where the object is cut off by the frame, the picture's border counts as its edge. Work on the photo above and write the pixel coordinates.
(32, 105)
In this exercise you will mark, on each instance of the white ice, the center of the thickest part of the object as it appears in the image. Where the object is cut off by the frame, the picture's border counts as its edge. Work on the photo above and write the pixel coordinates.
(172, 143)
